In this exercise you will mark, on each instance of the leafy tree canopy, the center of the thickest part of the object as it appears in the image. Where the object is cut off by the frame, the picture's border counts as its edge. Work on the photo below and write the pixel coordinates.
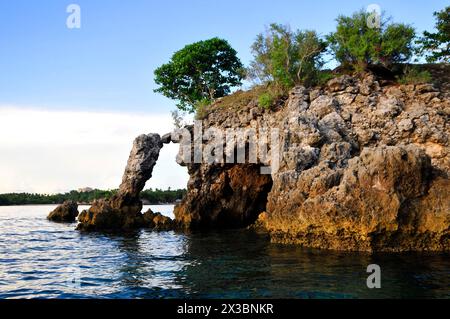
(153, 196)
(357, 43)
(436, 45)
(286, 57)
(201, 71)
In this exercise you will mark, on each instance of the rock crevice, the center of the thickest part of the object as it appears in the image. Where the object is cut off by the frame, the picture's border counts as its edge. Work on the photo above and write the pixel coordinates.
(223, 196)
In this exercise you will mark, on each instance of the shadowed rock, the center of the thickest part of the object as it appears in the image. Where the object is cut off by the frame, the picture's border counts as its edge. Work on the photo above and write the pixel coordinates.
(223, 196)
(123, 210)
(166, 138)
(157, 221)
(66, 212)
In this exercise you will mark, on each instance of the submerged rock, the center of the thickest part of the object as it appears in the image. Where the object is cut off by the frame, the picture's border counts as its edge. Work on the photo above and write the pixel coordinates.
(123, 210)
(66, 212)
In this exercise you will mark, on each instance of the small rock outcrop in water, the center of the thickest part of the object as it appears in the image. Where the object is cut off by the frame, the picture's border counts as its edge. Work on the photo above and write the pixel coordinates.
(365, 166)
(66, 212)
(123, 210)
(157, 221)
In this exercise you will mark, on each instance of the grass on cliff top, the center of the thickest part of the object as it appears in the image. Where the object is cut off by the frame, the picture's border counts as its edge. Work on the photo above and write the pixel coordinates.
(439, 73)
(414, 76)
(240, 98)
(267, 96)
(232, 102)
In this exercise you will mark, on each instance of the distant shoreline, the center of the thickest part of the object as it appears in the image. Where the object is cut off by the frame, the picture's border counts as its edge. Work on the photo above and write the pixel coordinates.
(82, 204)
(82, 197)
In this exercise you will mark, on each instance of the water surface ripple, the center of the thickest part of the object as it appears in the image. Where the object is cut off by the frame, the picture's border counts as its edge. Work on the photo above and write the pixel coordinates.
(41, 259)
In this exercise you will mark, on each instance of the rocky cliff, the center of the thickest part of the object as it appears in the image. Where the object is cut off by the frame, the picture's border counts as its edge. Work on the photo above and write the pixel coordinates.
(364, 166)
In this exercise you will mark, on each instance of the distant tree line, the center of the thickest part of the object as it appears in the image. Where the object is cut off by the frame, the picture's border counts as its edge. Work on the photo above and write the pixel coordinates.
(158, 196)
(150, 196)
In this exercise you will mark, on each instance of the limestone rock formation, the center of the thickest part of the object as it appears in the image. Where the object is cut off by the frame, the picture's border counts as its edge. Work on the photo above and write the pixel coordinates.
(66, 212)
(157, 221)
(123, 210)
(369, 209)
(364, 165)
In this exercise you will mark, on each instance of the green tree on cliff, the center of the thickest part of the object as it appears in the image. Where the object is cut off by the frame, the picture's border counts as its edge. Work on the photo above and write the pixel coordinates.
(199, 73)
(357, 43)
(436, 46)
(286, 57)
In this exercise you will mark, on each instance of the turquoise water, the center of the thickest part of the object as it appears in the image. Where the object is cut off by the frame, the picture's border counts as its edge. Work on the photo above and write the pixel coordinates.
(40, 259)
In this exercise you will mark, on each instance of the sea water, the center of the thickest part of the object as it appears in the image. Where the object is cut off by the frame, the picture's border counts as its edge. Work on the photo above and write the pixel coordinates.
(42, 259)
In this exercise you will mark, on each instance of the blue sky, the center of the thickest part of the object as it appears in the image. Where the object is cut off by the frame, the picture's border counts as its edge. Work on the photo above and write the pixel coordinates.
(108, 64)
(72, 100)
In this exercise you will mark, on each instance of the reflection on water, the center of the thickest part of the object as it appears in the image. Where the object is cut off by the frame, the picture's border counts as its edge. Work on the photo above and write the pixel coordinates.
(40, 259)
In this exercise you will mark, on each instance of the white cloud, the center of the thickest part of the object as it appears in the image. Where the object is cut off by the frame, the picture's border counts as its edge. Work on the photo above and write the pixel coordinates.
(49, 151)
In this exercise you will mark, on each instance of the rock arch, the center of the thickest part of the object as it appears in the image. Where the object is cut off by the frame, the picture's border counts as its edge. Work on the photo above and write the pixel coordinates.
(123, 210)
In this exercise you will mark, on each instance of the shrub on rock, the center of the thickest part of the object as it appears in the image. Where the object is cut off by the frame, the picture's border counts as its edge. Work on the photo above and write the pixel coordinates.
(356, 44)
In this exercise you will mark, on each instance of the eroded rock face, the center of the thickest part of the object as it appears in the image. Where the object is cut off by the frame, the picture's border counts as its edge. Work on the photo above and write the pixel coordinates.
(123, 210)
(223, 196)
(365, 166)
(370, 208)
(66, 212)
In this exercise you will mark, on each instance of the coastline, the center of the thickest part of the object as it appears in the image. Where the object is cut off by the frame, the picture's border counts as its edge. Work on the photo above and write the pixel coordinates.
(83, 204)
